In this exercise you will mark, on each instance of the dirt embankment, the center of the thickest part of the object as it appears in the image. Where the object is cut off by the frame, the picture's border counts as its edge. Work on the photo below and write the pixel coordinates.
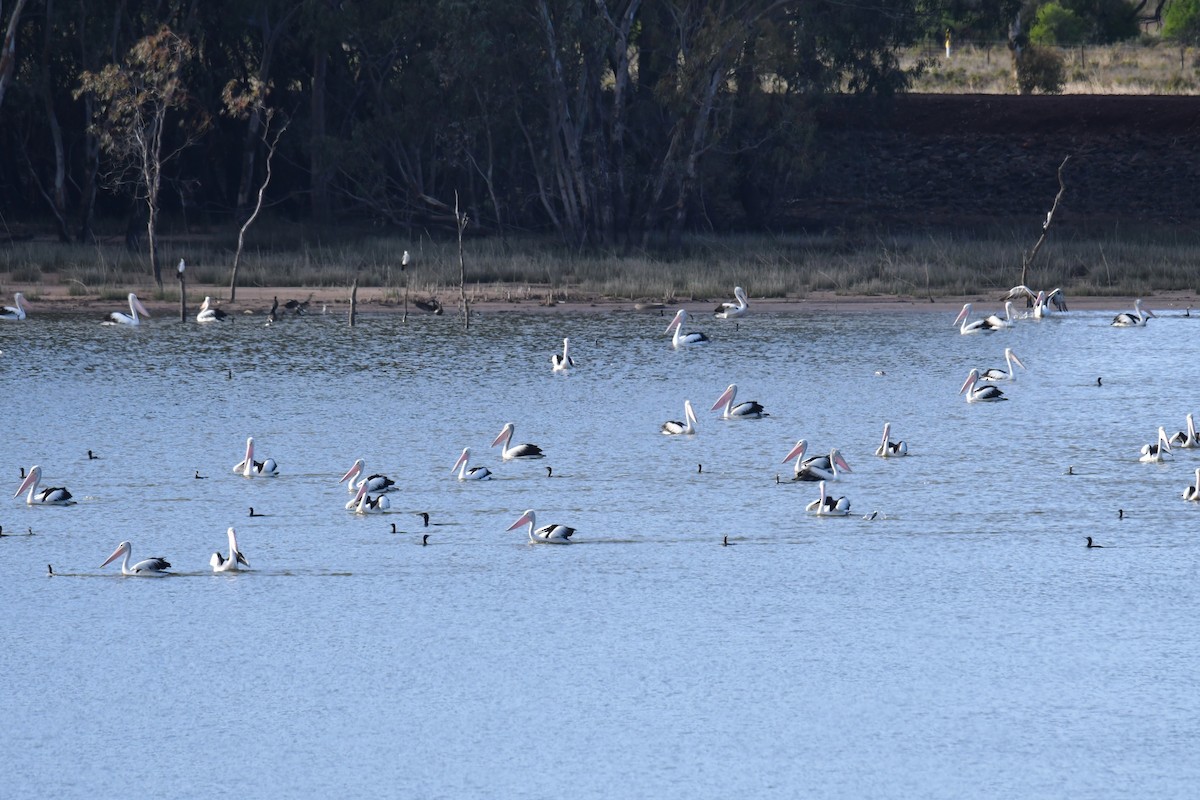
(946, 160)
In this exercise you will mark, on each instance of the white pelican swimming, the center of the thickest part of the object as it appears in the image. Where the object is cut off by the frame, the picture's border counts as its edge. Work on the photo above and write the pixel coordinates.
(816, 468)
(1157, 452)
(509, 450)
(738, 308)
(52, 496)
(363, 503)
(1136, 319)
(152, 567)
(974, 326)
(687, 427)
(981, 394)
(1193, 492)
(547, 534)
(132, 318)
(222, 564)
(888, 448)
(1007, 321)
(375, 483)
(681, 339)
(997, 374)
(466, 473)
(561, 363)
(15, 312)
(1186, 438)
(750, 409)
(250, 468)
(827, 506)
(209, 313)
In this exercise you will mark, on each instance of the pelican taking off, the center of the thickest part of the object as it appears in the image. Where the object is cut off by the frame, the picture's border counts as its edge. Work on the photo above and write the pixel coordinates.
(509, 451)
(561, 363)
(750, 409)
(889, 448)
(249, 468)
(687, 427)
(974, 326)
(827, 506)
(816, 468)
(1186, 438)
(1156, 453)
(738, 308)
(363, 503)
(466, 473)
(52, 496)
(209, 313)
(681, 339)
(16, 312)
(222, 564)
(152, 567)
(1193, 492)
(375, 483)
(980, 394)
(1136, 319)
(547, 534)
(132, 318)
(997, 374)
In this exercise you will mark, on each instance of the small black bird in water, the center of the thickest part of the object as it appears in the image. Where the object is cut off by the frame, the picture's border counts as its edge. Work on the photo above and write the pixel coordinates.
(549, 472)
(1090, 543)
(424, 515)
(200, 477)
(22, 473)
(394, 528)
(92, 456)
(253, 513)
(50, 570)
(228, 374)
(425, 540)
(1070, 471)
(1099, 382)
(699, 469)
(725, 542)
(1120, 513)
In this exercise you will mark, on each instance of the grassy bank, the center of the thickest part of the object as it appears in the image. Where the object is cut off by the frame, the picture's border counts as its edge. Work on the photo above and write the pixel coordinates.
(919, 265)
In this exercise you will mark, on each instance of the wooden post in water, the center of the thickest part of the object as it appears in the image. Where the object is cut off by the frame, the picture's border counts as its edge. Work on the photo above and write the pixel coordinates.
(182, 293)
(462, 220)
(353, 301)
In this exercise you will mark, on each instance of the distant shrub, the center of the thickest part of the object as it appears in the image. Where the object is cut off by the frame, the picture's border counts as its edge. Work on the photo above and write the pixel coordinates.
(1057, 25)
(1040, 70)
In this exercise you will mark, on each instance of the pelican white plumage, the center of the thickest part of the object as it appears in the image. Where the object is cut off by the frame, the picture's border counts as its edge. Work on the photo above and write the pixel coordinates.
(816, 468)
(1193, 492)
(510, 451)
(738, 308)
(681, 339)
(466, 473)
(1186, 438)
(1057, 299)
(827, 506)
(1156, 453)
(249, 468)
(155, 566)
(998, 374)
(375, 483)
(1021, 291)
(132, 318)
(974, 326)
(979, 394)
(1007, 321)
(363, 503)
(750, 409)
(547, 534)
(51, 496)
(687, 427)
(564, 361)
(889, 448)
(220, 563)
(209, 313)
(17, 312)
(1135, 319)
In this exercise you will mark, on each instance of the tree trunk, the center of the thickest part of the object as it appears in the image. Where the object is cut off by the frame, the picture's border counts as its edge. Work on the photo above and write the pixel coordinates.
(8, 49)
(58, 197)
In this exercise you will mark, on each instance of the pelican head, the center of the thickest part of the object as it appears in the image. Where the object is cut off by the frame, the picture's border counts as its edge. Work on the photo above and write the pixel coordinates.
(798, 451)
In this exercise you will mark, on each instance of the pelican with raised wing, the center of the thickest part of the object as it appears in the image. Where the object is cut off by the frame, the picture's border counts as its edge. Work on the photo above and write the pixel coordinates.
(998, 374)
(511, 451)
(1156, 453)
(979, 394)
(750, 409)
(974, 326)
(827, 506)
(154, 567)
(563, 362)
(466, 473)
(816, 468)
(17, 312)
(51, 496)
(1186, 438)
(210, 313)
(736, 309)
(132, 318)
(375, 483)
(547, 534)
(1135, 319)
(681, 339)
(687, 427)
(220, 563)
(888, 448)
(249, 468)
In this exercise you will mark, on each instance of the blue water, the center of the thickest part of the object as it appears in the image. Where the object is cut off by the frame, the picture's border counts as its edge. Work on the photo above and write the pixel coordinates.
(964, 643)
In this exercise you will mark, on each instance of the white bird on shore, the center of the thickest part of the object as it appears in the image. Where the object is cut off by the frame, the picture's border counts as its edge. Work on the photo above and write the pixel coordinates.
(221, 564)
(154, 567)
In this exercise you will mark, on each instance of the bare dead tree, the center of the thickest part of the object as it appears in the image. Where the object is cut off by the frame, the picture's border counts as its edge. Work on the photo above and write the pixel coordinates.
(462, 221)
(1028, 258)
(354, 302)
(8, 49)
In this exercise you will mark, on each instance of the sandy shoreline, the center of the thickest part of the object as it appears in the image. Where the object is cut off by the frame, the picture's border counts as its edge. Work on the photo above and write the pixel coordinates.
(375, 300)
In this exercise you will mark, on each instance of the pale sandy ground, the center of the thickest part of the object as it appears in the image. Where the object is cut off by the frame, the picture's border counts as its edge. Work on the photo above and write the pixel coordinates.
(490, 299)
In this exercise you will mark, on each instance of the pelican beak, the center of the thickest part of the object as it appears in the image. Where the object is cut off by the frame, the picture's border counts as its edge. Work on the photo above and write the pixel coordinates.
(971, 378)
(796, 451)
(723, 399)
(676, 322)
(461, 459)
(141, 308)
(352, 472)
(504, 433)
(524, 520)
(119, 551)
(962, 314)
(841, 462)
(30, 479)
(1018, 361)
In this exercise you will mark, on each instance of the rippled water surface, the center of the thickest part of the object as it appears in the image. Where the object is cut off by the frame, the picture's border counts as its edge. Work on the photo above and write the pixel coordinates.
(963, 644)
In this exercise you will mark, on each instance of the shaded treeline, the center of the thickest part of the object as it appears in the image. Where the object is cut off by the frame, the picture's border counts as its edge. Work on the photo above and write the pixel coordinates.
(606, 122)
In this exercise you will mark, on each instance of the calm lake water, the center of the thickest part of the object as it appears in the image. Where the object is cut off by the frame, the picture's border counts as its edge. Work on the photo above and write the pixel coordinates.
(963, 644)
